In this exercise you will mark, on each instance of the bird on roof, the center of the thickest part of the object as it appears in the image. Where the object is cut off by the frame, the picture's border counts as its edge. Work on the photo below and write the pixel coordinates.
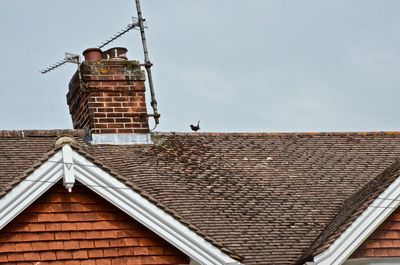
(195, 127)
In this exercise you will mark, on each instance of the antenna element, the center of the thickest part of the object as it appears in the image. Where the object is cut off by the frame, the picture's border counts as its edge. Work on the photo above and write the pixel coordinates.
(69, 58)
(128, 28)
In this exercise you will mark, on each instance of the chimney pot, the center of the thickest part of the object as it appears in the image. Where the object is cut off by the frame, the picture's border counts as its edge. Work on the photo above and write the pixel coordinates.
(93, 54)
(116, 53)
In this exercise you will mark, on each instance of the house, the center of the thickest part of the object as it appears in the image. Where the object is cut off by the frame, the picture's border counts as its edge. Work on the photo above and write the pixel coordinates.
(111, 192)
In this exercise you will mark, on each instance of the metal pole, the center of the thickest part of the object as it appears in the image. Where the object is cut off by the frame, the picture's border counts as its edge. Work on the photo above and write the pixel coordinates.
(148, 63)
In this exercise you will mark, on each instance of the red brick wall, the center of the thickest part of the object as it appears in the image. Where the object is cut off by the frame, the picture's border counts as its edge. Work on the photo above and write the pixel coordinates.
(384, 242)
(81, 228)
(111, 98)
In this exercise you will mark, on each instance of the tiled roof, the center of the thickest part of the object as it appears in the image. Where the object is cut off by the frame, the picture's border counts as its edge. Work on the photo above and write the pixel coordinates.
(266, 197)
(352, 208)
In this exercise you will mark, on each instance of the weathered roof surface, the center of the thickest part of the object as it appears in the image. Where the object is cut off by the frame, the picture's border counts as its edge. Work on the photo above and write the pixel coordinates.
(267, 197)
(353, 208)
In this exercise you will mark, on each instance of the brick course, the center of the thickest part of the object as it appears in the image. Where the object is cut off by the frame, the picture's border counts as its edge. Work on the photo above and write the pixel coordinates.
(384, 242)
(110, 98)
(81, 228)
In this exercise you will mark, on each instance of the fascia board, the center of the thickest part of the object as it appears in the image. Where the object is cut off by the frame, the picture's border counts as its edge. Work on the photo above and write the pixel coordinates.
(376, 213)
(148, 214)
(30, 189)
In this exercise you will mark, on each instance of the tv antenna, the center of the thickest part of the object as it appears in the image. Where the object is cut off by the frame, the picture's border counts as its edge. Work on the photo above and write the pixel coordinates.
(147, 63)
(69, 58)
(137, 23)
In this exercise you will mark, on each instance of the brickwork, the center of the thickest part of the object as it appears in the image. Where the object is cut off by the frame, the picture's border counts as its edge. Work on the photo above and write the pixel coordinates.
(110, 98)
(81, 228)
(384, 242)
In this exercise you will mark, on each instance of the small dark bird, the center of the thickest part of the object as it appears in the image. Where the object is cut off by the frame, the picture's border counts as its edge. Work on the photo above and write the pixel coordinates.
(195, 127)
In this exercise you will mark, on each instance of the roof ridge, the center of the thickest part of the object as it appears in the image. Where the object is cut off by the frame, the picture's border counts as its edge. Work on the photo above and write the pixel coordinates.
(344, 133)
(82, 133)
(41, 133)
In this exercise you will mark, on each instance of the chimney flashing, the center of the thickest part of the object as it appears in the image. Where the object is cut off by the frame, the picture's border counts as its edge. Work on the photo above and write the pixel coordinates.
(121, 139)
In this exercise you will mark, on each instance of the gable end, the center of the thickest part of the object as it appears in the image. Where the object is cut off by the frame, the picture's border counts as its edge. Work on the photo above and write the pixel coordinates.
(117, 193)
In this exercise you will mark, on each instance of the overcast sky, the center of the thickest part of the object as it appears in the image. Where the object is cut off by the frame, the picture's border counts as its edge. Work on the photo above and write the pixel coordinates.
(254, 65)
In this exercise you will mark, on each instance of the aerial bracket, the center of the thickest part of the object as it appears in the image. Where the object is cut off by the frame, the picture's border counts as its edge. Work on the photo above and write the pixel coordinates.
(71, 58)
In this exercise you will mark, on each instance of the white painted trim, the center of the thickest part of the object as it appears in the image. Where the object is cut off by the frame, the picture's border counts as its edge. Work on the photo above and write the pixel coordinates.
(121, 138)
(129, 201)
(192, 262)
(377, 212)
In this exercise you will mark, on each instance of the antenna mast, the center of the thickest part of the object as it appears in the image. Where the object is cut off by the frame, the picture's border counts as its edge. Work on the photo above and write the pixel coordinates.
(147, 62)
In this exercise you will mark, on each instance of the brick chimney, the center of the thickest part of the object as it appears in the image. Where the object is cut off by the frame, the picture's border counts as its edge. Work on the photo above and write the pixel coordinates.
(107, 98)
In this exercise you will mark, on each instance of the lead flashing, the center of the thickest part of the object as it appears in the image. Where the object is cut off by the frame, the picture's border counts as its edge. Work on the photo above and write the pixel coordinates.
(121, 139)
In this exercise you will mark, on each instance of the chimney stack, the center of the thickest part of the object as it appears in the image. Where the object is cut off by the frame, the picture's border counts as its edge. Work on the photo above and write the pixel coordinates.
(107, 98)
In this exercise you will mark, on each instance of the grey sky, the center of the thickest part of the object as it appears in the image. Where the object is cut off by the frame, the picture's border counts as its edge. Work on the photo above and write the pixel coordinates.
(254, 65)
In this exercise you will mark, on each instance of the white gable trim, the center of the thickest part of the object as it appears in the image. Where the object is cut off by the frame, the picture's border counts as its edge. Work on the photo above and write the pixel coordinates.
(129, 201)
(377, 212)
